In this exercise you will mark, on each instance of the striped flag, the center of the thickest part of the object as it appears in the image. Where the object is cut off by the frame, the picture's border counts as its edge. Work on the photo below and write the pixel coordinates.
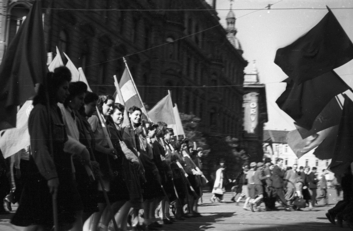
(57, 61)
(129, 91)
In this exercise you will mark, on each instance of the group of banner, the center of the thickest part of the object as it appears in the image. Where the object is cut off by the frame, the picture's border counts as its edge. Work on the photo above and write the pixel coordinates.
(315, 94)
(15, 139)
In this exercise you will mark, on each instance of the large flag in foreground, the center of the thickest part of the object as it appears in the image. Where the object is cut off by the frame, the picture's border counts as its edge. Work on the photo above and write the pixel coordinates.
(23, 66)
(302, 146)
(163, 111)
(305, 101)
(16, 139)
(330, 116)
(344, 145)
(324, 48)
(129, 92)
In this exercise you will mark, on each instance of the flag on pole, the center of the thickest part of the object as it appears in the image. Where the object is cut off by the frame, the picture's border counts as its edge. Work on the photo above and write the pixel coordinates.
(75, 75)
(325, 47)
(23, 66)
(330, 116)
(179, 125)
(163, 111)
(343, 157)
(16, 139)
(129, 91)
(119, 99)
(82, 78)
(305, 101)
(57, 61)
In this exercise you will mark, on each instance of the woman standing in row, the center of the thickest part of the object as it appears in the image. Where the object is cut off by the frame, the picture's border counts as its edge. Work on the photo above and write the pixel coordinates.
(50, 172)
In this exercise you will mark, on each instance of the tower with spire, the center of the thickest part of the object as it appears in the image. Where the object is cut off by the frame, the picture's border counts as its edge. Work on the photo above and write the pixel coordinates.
(231, 30)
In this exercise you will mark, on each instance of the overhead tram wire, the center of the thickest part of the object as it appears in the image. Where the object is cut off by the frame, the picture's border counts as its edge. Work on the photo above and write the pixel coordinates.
(181, 38)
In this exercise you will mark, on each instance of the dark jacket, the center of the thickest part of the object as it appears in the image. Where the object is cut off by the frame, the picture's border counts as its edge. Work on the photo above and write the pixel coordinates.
(277, 177)
(312, 180)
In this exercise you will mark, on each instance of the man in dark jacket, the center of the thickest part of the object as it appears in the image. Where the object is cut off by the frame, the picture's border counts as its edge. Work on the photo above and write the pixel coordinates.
(312, 185)
(277, 182)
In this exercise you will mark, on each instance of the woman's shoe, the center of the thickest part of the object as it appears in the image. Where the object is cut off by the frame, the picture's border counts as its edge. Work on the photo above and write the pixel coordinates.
(167, 221)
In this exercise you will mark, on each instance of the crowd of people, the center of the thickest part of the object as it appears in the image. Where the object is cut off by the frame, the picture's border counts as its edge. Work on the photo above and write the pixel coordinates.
(291, 188)
(95, 174)
(294, 187)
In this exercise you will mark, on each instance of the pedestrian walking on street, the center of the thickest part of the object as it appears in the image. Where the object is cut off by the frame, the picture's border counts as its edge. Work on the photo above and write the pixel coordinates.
(278, 183)
(323, 188)
(219, 187)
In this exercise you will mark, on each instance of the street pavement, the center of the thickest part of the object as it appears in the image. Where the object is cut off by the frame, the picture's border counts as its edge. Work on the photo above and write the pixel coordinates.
(229, 217)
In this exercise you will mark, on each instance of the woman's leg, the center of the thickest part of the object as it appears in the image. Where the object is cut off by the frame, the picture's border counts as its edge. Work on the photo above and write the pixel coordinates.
(122, 215)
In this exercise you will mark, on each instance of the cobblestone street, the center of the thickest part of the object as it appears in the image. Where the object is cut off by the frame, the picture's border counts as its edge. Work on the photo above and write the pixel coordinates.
(228, 216)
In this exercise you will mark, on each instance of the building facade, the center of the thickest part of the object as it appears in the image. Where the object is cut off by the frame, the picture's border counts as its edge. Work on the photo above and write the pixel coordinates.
(166, 48)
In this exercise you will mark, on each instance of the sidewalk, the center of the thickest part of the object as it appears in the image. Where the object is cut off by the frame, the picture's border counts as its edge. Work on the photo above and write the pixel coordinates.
(229, 217)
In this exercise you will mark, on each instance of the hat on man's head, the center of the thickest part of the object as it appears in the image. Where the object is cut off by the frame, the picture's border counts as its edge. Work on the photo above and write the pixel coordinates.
(268, 160)
(252, 164)
(260, 164)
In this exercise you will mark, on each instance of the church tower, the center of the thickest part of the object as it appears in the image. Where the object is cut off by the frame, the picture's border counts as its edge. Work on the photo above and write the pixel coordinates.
(231, 30)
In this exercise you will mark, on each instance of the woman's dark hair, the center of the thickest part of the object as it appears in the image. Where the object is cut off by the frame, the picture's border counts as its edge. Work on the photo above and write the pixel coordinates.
(161, 129)
(90, 97)
(102, 100)
(54, 81)
(75, 89)
(133, 109)
(118, 106)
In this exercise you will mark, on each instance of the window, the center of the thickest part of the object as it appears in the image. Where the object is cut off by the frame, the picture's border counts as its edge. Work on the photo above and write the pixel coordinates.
(189, 27)
(306, 162)
(317, 163)
(327, 163)
(286, 161)
(121, 22)
(63, 42)
(17, 16)
(135, 25)
(147, 37)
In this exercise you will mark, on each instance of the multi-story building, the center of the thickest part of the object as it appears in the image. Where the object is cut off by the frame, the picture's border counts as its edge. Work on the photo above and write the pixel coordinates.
(175, 45)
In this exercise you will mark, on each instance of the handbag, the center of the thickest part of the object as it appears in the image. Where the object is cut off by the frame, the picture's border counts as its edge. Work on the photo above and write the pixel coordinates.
(299, 203)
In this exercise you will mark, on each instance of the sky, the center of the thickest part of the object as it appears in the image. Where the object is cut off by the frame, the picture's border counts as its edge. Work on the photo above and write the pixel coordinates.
(262, 32)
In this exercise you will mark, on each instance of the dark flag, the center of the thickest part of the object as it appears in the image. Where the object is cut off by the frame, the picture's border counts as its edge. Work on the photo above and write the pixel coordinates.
(324, 48)
(343, 156)
(304, 102)
(330, 116)
(23, 65)
(326, 149)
